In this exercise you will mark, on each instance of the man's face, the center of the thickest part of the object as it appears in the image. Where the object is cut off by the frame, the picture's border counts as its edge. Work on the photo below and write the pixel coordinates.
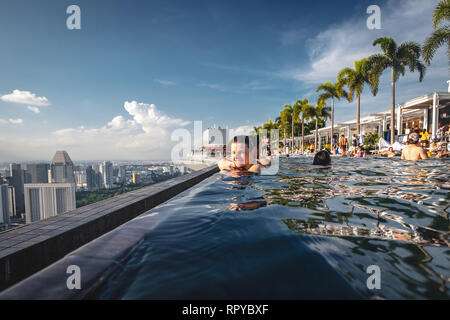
(239, 154)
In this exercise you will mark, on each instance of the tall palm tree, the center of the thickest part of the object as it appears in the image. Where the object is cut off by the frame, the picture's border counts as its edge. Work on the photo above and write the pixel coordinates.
(333, 91)
(290, 111)
(441, 34)
(307, 114)
(396, 59)
(284, 115)
(296, 110)
(321, 112)
(354, 79)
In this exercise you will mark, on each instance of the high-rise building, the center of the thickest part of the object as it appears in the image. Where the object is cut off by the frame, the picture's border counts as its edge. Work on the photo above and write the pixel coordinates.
(122, 174)
(80, 178)
(38, 172)
(62, 168)
(45, 200)
(106, 170)
(4, 206)
(17, 181)
(91, 179)
(12, 201)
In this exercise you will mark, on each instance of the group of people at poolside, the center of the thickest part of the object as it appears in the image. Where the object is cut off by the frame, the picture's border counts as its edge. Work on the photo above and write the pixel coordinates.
(418, 147)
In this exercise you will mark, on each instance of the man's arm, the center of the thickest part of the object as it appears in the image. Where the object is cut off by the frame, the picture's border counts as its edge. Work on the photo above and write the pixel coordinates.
(403, 155)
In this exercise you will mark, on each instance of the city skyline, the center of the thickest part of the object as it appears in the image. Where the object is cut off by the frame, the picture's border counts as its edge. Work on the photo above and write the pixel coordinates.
(117, 88)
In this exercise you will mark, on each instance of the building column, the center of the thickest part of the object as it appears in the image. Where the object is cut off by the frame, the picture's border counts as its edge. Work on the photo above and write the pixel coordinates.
(384, 123)
(399, 120)
(434, 124)
(349, 134)
(425, 119)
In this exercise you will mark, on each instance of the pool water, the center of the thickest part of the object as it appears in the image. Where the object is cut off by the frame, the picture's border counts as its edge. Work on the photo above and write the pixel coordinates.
(306, 233)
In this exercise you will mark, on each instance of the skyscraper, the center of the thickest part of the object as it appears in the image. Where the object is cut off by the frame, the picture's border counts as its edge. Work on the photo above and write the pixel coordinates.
(38, 172)
(4, 206)
(17, 181)
(45, 200)
(12, 201)
(106, 170)
(62, 168)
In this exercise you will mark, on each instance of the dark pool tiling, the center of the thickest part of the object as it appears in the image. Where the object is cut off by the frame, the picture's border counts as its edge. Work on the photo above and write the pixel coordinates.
(27, 249)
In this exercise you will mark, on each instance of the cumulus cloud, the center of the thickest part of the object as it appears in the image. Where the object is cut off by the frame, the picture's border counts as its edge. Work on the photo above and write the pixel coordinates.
(341, 44)
(241, 130)
(34, 109)
(11, 121)
(25, 97)
(165, 82)
(144, 134)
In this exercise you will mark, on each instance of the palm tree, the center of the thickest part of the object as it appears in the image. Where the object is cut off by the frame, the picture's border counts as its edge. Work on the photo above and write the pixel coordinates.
(441, 34)
(296, 109)
(284, 115)
(321, 112)
(396, 59)
(354, 79)
(290, 111)
(307, 114)
(330, 90)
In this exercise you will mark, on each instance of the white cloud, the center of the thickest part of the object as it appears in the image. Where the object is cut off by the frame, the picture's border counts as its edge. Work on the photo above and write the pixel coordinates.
(34, 109)
(144, 135)
(241, 130)
(165, 82)
(340, 45)
(212, 86)
(16, 121)
(25, 97)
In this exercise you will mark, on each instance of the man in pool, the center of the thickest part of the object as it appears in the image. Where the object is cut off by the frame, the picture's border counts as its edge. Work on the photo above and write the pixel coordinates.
(413, 151)
(240, 158)
(322, 158)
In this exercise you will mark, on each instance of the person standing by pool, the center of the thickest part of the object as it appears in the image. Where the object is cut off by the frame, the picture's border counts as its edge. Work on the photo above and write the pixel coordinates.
(343, 144)
(440, 134)
(413, 151)
(355, 140)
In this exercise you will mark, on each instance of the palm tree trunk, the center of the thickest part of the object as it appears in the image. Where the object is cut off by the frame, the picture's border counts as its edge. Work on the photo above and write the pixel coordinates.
(292, 133)
(392, 138)
(358, 115)
(284, 145)
(315, 137)
(332, 123)
(303, 135)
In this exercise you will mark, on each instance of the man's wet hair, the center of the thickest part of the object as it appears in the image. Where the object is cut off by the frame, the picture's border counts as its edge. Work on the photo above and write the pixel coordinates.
(247, 142)
(322, 158)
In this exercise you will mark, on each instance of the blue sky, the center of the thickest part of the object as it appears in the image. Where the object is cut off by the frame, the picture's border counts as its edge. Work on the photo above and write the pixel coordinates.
(136, 70)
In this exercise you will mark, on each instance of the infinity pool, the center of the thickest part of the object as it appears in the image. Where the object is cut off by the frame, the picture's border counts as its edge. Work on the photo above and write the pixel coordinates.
(306, 233)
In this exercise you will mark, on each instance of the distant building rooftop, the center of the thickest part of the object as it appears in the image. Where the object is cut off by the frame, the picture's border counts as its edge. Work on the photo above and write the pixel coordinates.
(62, 157)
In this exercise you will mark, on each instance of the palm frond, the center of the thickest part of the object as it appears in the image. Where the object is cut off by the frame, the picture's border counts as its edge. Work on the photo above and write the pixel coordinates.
(441, 12)
(388, 45)
(434, 41)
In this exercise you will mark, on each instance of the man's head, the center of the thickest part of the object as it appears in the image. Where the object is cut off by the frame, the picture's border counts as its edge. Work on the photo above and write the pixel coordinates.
(391, 149)
(322, 158)
(413, 138)
(240, 153)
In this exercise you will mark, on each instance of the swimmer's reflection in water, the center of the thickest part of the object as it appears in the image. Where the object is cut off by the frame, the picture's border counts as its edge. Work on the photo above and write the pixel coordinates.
(239, 164)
